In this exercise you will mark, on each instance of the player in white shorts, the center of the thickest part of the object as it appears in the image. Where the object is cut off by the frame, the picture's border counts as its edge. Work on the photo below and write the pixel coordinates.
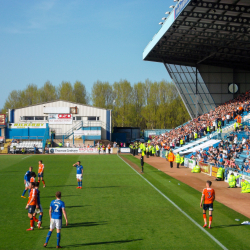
(57, 208)
(79, 172)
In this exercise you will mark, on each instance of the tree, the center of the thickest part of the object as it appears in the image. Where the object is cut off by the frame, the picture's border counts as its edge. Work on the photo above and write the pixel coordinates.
(80, 94)
(48, 92)
(65, 91)
(123, 99)
(102, 95)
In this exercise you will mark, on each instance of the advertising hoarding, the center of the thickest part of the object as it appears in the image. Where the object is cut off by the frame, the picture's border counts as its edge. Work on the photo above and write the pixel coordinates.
(214, 171)
(205, 168)
(27, 125)
(87, 132)
(60, 119)
(76, 150)
(2, 119)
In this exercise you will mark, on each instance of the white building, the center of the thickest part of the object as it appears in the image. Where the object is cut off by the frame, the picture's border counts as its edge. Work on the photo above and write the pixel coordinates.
(62, 118)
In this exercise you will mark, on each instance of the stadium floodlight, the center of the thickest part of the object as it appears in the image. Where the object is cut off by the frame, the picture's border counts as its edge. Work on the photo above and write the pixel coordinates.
(167, 13)
(160, 23)
(176, 0)
(164, 18)
(172, 6)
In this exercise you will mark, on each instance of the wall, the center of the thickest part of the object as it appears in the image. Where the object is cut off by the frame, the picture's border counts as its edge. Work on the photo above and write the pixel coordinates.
(217, 80)
(24, 132)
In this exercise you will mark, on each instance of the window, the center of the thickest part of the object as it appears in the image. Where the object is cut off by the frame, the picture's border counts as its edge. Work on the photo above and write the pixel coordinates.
(28, 118)
(77, 118)
(97, 118)
(92, 118)
(39, 118)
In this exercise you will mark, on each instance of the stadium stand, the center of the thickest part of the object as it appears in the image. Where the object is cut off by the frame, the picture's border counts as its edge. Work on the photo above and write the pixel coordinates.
(228, 117)
(17, 146)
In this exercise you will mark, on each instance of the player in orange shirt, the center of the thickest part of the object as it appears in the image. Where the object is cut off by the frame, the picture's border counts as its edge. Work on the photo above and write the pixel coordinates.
(208, 196)
(31, 205)
(41, 172)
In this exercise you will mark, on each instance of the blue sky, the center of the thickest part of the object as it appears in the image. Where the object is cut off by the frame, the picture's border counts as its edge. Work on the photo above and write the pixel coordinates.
(69, 40)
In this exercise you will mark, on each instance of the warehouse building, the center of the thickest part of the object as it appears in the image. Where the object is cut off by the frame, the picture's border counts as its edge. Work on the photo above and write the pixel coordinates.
(59, 119)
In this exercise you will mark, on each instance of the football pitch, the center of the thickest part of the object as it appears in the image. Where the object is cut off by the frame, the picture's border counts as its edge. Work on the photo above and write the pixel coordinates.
(116, 209)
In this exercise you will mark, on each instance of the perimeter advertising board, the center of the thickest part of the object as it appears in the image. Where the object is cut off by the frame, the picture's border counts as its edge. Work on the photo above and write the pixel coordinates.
(60, 119)
(205, 168)
(214, 171)
(191, 163)
(75, 151)
(125, 150)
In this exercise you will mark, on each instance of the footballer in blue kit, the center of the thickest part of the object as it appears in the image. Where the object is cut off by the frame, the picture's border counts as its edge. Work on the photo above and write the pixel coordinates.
(79, 172)
(57, 208)
(27, 177)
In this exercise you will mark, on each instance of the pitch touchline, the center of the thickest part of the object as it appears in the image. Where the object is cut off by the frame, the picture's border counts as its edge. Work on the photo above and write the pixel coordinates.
(199, 226)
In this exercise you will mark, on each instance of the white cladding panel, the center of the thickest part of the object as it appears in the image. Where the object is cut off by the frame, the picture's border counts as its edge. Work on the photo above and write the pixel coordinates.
(82, 110)
(56, 110)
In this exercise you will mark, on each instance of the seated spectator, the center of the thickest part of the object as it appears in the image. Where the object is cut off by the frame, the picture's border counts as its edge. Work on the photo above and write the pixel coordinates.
(245, 167)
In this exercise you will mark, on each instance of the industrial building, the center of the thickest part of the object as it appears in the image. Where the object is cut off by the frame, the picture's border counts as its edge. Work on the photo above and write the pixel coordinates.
(59, 119)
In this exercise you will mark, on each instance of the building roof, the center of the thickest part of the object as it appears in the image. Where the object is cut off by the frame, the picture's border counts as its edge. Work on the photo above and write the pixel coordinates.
(212, 32)
(74, 103)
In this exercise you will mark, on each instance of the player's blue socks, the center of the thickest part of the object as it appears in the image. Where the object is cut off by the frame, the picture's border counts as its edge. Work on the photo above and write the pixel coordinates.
(29, 192)
(80, 183)
(48, 236)
(24, 192)
(58, 239)
(40, 217)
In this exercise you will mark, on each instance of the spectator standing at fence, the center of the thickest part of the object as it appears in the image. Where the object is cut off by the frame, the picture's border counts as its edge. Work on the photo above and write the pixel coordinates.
(171, 158)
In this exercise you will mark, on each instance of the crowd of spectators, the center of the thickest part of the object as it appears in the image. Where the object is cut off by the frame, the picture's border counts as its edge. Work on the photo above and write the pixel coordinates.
(226, 154)
(206, 123)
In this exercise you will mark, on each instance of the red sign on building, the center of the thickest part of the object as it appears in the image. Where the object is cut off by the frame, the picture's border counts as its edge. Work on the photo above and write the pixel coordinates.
(2, 120)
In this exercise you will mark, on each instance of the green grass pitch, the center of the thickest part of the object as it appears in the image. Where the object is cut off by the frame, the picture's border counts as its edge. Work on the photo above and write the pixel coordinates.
(116, 209)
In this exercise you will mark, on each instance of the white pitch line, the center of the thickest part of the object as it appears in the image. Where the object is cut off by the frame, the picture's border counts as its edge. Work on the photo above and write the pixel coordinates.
(199, 226)
(27, 156)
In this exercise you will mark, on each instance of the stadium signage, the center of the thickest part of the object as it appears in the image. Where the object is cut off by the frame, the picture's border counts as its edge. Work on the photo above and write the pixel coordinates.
(60, 119)
(191, 163)
(205, 168)
(214, 171)
(75, 151)
(27, 125)
(125, 150)
(2, 119)
(180, 7)
(87, 132)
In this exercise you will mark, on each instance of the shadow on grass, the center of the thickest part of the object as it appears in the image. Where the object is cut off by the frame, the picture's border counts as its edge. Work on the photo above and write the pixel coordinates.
(106, 187)
(87, 224)
(225, 226)
(78, 206)
(102, 243)
(53, 196)
(65, 186)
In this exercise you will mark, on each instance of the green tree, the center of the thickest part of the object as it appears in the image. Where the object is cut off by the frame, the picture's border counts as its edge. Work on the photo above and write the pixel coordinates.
(123, 98)
(80, 93)
(102, 95)
(48, 92)
(65, 92)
